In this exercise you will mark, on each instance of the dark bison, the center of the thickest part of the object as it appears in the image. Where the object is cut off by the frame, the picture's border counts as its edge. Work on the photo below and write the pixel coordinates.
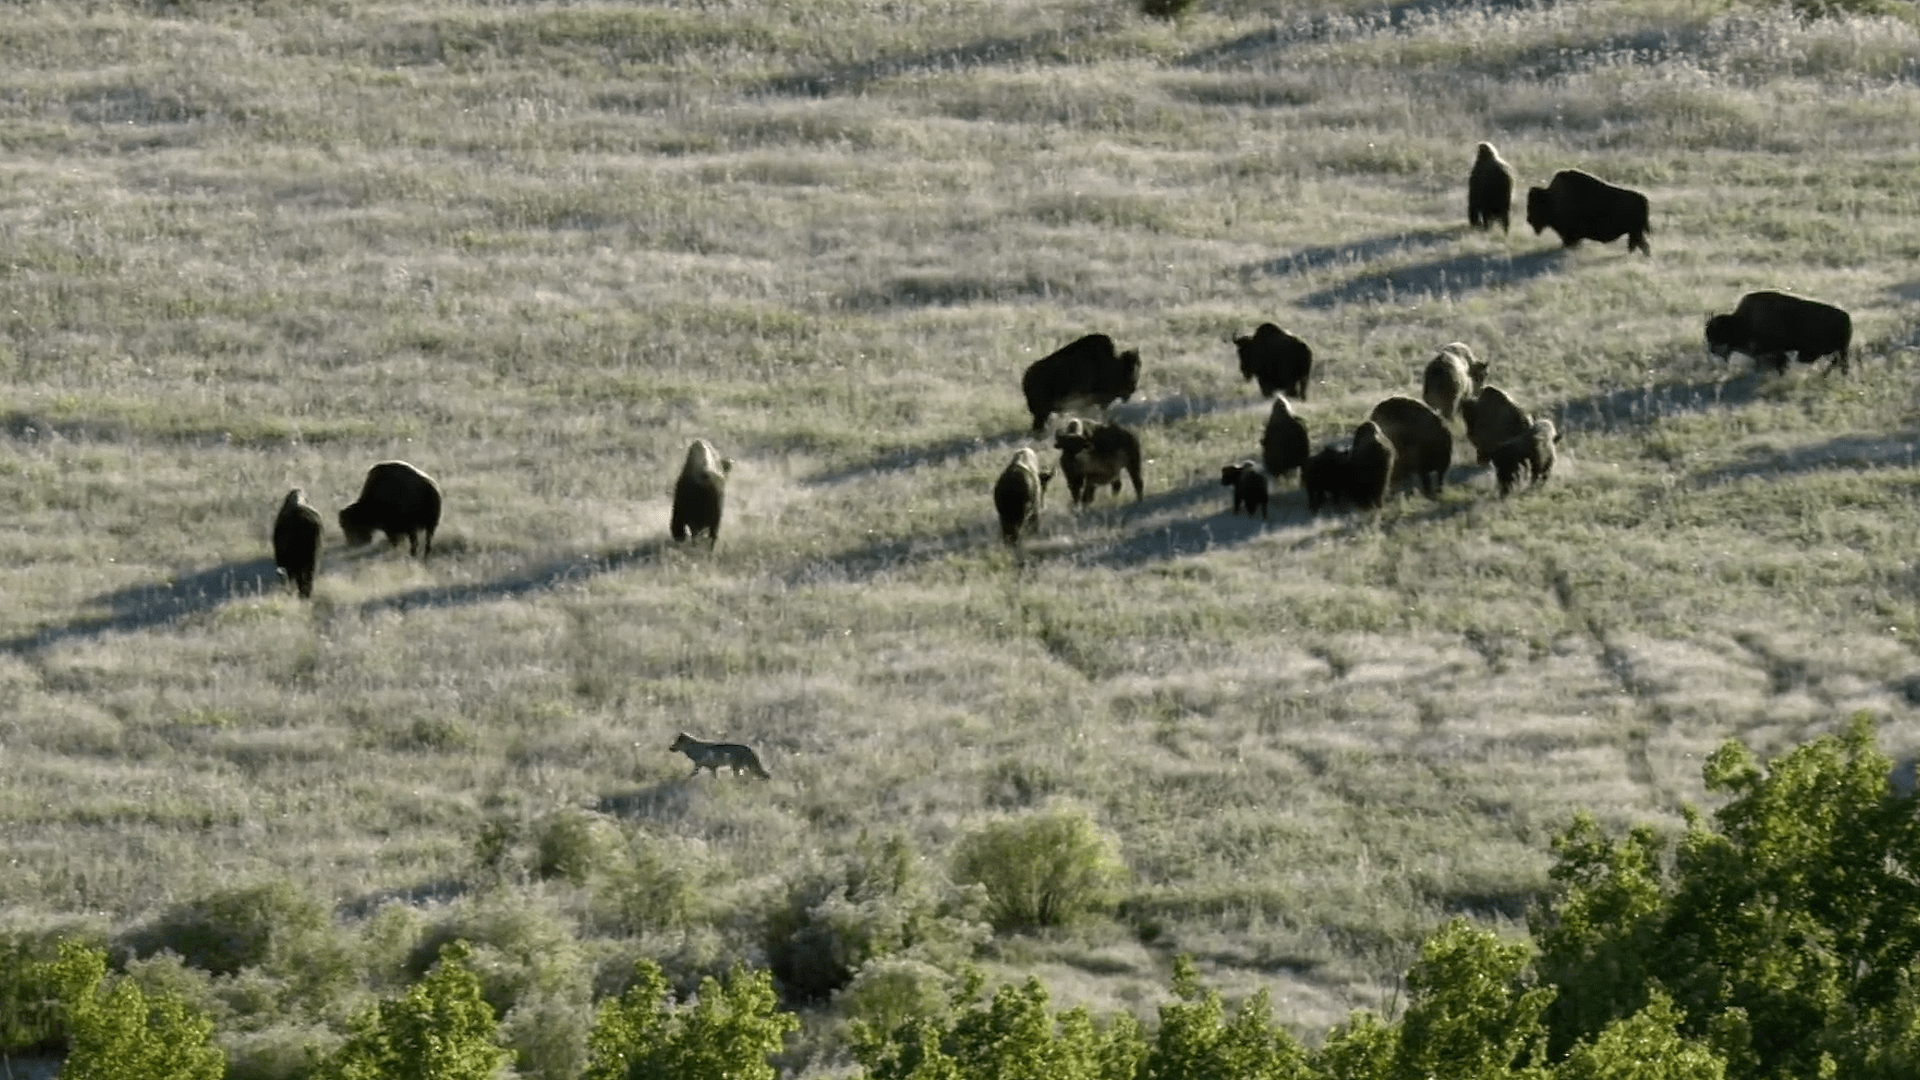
(1580, 206)
(1249, 486)
(1325, 477)
(1492, 418)
(1422, 445)
(396, 499)
(1768, 325)
(1450, 377)
(1532, 450)
(1279, 361)
(296, 540)
(1019, 495)
(1283, 445)
(700, 493)
(1087, 372)
(1369, 465)
(1096, 454)
(1489, 189)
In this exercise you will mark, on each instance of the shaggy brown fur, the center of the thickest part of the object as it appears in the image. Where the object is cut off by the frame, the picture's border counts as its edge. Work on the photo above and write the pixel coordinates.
(296, 540)
(396, 499)
(1450, 376)
(1087, 372)
(700, 493)
(1096, 454)
(1249, 486)
(1283, 445)
(1325, 477)
(1533, 451)
(1489, 189)
(1369, 464)
(1020, 494)
(1580, 206)
(1492, 418)
(1281, 362)
(1422, 445)
(1767, 325)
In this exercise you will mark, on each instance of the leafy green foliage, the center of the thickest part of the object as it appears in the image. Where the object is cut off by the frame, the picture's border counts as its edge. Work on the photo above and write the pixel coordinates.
(1470, 1013)
(727, 1033)
(117, 1032)
(1195, 1042)
(441, 1028)
(1645, 1046)
(1044, 868)
(1012, 1035)
(565, 846)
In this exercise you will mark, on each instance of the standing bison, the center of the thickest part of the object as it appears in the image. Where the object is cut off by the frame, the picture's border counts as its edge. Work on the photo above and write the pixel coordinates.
(1489, 189)
(1492, 418)
(699, 493)
(296, 540)
(1283, 445)
(1325, 477)
(1422, 445)
(396, 499)
(1249, 486)
(1768, 325)
(1020, 494)
(1086, 372)
(1450, 377)
(1278, 360)
(1580, 206)
(1533, 449)
(1369, 466)
(1096, 454)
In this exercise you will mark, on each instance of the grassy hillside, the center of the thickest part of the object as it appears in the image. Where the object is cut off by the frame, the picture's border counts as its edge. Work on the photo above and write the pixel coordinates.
(537, 248)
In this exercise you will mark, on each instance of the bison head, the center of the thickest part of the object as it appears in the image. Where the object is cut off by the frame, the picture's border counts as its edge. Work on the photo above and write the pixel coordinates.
(353, 523)
(1539, 209)
(1723, 335)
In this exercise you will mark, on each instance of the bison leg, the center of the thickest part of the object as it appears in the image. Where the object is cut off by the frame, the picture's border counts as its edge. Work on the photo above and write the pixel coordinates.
(1638, 242)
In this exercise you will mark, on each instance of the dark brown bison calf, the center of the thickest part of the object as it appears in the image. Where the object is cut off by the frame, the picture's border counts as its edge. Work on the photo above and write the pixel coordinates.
(1489, 189)
(296, 540)
(1768, 325)
(699, 492)
(1249, 486)
(396, 499)
(1096, 454)
(1532, 450)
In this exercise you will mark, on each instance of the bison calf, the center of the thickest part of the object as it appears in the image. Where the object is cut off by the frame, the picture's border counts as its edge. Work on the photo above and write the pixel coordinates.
(1580, 206)
(396, 499)
(1532, 449)
(1086, 372)
(699, 493)
(1280, 362)
(1369, 465)
(1768, 325)
(296, 540)
(1020, 494)
(1249, 486)
(1096, 454)
(1489, 189)
(1450, 377)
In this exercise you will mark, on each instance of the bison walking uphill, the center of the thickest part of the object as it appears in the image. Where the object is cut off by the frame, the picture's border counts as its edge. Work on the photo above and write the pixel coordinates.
(1489, 189)
(1086, 372)
(296, 540)
(1019, 495)
(1280, 362)
(1768, 325)
(1580, 206)
(396, 499)
(700, 493)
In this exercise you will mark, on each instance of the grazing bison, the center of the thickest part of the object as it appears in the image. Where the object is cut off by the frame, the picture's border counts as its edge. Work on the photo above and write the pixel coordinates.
(1489, 189)
(1283, 445)
(1086, 372)
(1768, 325)
(1249, 486)
(1580, 206)
(1278, 360)
(699, 493)
(296, 540)
(396, 499)
(1369, 465)
(1534, 449)
(1019, 495)
(1450, 377)
(1096, 454)
(1325, 477)
(1422, 445)
(1492, 418)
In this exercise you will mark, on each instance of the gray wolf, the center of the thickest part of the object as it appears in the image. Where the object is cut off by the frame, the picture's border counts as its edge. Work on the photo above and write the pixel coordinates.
(712, 756)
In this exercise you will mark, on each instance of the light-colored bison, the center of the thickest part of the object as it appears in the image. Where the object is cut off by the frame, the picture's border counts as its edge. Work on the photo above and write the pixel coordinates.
(700, 493)
(1369, 465)
(1580, 206)
(396, 499)
(296, 540)
(1283, 443)
(1422, 445)
(1020, 494)
(1280, 362)
(1532, 450)
(1087, 372)
(1249, 486)
(1095, 454)
(1767, 325)
(1489, 189)
(1492, 418)
(1450, 376)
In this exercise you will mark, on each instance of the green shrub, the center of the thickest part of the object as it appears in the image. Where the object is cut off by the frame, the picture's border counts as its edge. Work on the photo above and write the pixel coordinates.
(1645, 1046)
(517, 945)
(1011, 1036)
(442, 1028)
(29, 1013)
(727, 1033)
(1040, 869)
(658, 887)
(566, 845)
(118, 1032)
(1470, 1013)
(1194, 1042)
(282, 938)
(548, 1036)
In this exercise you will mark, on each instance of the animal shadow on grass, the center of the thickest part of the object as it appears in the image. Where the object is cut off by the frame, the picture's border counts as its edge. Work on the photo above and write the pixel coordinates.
(1633, 406)
(141, 607)
(1438, 277)
(669, 799)
(541, 578)
(1895, 450)
(1355, 253)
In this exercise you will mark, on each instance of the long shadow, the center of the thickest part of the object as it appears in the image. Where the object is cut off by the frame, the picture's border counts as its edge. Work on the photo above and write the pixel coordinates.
(1898, 450)
(669, 799)
(542, 578)
(1438, 277)
(1355, 253)
(852, 78)
(1635, 406)
(141, 607)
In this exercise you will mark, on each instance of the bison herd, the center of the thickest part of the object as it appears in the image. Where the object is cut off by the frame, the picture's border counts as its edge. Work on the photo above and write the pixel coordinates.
(1403, 439)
